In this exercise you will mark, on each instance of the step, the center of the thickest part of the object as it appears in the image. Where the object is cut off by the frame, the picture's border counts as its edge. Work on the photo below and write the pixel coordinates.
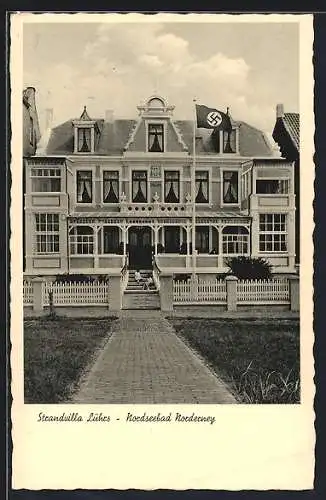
(141, 300)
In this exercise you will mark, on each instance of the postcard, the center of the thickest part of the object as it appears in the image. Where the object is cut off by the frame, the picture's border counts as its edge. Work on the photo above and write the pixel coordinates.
(161, 251)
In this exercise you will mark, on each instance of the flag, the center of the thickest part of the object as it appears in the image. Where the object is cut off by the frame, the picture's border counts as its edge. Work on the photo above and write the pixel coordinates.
(212, 118)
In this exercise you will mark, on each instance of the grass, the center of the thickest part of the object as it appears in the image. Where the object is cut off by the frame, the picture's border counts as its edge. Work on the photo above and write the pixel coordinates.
(56, 352)
(259, 360)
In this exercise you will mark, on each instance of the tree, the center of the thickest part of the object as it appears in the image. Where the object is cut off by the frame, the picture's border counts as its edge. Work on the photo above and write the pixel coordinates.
(249, 268)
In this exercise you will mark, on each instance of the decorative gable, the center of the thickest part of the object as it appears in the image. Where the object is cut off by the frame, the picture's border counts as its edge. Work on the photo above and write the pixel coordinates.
(155, 131)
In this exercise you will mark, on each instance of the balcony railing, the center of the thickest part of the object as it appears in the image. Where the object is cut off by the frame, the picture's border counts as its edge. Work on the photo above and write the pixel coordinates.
(155, 208)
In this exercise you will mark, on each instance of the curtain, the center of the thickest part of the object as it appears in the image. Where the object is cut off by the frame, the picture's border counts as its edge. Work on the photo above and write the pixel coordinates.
(139, 187)
(172, 187)
(111, 239)
(84, 140)
(201, 187)
(155, 138)
(84, 187)
(202, 239)
(111, 187)
(229, 142)
(230, 187)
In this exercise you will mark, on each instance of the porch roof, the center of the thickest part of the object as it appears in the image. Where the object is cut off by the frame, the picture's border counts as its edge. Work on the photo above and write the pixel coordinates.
(222, 214)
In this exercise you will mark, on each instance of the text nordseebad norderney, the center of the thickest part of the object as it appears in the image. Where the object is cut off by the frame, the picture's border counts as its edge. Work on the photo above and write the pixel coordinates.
(130, 417)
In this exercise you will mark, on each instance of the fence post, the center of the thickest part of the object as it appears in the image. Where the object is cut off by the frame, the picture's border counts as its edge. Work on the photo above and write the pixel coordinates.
(166, 292)
(37, 284)
(114, 292)
(294, 293)
(231, 293)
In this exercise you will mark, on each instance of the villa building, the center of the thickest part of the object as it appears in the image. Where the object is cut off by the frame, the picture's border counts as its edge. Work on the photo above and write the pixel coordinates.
(105, 193)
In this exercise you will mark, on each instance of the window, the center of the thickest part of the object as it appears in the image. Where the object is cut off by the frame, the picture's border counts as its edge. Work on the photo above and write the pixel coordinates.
(229, 142)
(81, 239)
(202, 187)
(31, 131)
(139, 186)
(46, 180)
(47, 233)
(110, 186)
(84, 140)
(84, 186)
(235, 240)
(172, 186)
(202, 239)
(172, 239)
(155, 138)
(230, 187)
(272, 186)
(272, 233)
(110, 239)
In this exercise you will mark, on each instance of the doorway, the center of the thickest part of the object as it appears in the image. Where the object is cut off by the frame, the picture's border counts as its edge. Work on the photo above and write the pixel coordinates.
(140, 247)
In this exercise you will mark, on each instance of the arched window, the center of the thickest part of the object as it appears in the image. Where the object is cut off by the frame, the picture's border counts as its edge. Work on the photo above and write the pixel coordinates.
(235, 240)
(155, 102)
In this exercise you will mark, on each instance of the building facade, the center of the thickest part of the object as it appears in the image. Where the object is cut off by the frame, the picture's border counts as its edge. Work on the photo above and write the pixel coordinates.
(31, 129)
(287, 135)
(102, 194)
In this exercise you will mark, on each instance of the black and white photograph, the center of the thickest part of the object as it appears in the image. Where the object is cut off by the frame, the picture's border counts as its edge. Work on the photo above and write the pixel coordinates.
(160, 217)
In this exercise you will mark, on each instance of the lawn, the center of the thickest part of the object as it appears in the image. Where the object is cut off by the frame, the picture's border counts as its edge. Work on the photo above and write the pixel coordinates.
(258, 359)
(56, 352)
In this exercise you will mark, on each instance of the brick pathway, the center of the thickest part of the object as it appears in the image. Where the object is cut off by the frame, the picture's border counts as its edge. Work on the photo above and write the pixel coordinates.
(145, 362)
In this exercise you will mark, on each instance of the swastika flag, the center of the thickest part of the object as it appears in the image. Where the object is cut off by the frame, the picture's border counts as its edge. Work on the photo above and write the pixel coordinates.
(212, 118)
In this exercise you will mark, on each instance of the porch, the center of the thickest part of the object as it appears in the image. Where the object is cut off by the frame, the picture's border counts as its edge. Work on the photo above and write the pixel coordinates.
(101, 244)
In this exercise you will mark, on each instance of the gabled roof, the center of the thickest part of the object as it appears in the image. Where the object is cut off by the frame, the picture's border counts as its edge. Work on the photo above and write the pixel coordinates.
(292, 124)
(287, 132)
(113, 138)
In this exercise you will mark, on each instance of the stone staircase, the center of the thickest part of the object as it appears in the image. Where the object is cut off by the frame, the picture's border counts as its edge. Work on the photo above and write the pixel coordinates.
(135, 297)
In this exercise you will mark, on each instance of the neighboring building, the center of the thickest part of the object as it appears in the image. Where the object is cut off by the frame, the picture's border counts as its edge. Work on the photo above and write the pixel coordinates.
(31, 129)
(104, 189)
(287, 134)
(31, 136)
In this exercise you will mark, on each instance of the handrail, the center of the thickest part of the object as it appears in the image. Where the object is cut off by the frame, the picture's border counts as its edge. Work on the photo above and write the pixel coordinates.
(156, 273)
(124, 273)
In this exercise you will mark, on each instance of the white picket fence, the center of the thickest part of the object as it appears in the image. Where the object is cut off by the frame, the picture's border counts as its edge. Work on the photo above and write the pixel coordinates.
(260, 292)
(76, 294)
(27, 293)
(201, 291)
(263, 291)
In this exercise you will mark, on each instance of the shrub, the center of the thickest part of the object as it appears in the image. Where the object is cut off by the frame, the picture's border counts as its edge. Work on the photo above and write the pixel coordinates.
(249, 268)
(73, 278)
(182, 277)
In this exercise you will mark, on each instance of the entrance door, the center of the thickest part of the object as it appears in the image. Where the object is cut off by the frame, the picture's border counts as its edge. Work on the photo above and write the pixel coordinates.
(140, 248)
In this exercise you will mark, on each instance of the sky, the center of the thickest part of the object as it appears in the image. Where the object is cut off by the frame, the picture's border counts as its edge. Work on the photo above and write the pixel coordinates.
(248, 67)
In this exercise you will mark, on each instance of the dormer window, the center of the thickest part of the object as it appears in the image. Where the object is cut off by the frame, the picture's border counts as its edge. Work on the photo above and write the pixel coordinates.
(86, 130)
(230, 142)
(84, 140)
(155, 138)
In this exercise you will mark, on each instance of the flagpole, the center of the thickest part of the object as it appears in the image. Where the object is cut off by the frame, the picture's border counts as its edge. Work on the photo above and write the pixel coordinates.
(193, 195)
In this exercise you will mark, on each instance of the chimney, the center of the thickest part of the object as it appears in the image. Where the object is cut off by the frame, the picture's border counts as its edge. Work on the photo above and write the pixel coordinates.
(279, 111)
(48, 118)
(109, 116)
